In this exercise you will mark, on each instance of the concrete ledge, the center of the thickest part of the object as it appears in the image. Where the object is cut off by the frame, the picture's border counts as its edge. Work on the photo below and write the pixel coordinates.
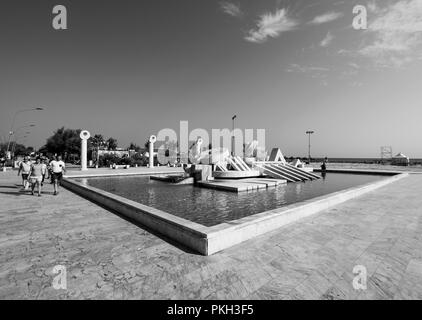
(229, 234)
(120, 172)
(188, 233)
(363, 171)
(209, 240)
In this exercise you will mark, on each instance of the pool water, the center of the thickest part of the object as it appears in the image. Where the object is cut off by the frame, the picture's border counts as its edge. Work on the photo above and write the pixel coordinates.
(211, 207)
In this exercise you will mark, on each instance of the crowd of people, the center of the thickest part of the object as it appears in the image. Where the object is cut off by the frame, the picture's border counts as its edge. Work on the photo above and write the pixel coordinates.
(34, 173)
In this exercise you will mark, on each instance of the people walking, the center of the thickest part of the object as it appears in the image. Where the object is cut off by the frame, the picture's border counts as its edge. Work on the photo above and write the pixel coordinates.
(57, 168)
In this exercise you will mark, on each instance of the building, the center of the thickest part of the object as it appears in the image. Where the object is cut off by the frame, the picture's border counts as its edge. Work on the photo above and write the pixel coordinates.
(400, 160)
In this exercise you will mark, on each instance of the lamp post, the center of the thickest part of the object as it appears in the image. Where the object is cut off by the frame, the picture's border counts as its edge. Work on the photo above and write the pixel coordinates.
(13, 123)
(16, 140)
(15, 132)
(233, 118)
(309, 144)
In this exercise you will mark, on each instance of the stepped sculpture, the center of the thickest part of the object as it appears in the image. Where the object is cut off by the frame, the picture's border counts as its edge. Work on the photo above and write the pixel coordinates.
(278, 168)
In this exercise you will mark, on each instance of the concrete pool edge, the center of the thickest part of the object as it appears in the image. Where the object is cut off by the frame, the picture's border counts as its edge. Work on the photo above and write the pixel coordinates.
(226, 235)
(209, 240)
(188, 233)
(118, 173)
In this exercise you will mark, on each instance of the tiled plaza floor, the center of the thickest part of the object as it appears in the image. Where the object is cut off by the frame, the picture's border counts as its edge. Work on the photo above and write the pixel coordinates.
(109, 257)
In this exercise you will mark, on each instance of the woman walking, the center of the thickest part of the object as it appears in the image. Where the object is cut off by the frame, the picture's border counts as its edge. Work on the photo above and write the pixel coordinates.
(36, 173)
(25, 167)
(44, 162)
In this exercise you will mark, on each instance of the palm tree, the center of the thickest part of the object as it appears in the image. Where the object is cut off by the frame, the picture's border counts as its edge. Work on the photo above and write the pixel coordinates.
(98, 142)
(111, 143)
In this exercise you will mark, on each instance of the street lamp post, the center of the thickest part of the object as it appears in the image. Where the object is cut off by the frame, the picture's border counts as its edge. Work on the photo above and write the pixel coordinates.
(16, 141)
(15, 132)
(309, 133)
(13, 123)
(233, 118)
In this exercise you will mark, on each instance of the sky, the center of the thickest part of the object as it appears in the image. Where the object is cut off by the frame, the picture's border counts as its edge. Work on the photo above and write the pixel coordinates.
(128, 69)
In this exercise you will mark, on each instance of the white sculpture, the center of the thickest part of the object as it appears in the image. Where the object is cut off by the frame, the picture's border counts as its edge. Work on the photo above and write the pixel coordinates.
(152, 140)
(251, 149)
(219, 156)
(195, 151)
(84, 135)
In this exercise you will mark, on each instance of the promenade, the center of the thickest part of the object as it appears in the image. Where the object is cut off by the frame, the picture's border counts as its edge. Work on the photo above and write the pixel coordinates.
(107, 257)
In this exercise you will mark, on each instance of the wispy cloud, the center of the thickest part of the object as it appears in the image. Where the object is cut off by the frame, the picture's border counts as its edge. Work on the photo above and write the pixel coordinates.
(296, 68)
(373, 7)
(327, 40)
(354, 65)
(231, 9)
(271, 25)
(327, 17)
(319, 74)
(395, 34)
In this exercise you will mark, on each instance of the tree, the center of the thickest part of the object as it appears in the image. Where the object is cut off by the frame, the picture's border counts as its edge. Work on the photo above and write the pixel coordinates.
(21, 150)
(97, 138)
(96, 142)
(18, 149)
(112, 143)
(134, 146)
(64, 141)
(146, 145)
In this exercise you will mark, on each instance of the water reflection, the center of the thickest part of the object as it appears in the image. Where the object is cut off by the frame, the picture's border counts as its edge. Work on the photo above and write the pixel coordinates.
(151, 195)
(298, 188)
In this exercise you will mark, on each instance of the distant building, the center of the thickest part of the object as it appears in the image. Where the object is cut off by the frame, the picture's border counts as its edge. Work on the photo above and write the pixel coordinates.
(400, 160)
(118, 152)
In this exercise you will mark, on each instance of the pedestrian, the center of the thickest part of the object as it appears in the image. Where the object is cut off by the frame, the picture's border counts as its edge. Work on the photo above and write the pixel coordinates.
(44, 162)
(324, 166)
(25, 167)
(50, 172)
(58, 168)
(35, 175)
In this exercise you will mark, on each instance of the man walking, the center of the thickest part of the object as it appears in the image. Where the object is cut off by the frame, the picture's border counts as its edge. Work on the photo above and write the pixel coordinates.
(57, 170)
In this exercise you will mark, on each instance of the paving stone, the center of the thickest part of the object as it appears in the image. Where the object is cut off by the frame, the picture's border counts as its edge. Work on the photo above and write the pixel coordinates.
(108, 257)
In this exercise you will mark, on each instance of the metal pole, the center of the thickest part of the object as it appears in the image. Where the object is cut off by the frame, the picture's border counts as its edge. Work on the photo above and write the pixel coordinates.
(10, 134)
(234, 117)
(309, 149)
(14, 145)
(12, 153)
(13, 123)
(309, 145)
